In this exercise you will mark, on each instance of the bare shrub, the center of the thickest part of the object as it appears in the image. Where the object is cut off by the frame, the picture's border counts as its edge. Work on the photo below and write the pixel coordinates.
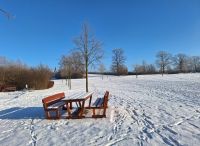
(19, 75)
(40, 77)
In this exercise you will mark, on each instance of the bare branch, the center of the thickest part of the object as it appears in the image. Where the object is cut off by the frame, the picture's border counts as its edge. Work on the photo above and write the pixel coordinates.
(7, 14)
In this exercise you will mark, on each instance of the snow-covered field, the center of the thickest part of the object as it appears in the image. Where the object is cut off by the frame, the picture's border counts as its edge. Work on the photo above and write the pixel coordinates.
(150, 110)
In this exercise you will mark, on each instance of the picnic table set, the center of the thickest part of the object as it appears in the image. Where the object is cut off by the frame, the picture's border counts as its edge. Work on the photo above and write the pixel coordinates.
(74, 105)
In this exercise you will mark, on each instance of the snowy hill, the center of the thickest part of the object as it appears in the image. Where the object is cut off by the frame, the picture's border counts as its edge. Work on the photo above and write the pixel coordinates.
(150, 110)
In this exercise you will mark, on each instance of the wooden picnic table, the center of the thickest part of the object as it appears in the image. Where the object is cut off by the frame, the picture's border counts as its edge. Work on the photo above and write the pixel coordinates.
(78, 99)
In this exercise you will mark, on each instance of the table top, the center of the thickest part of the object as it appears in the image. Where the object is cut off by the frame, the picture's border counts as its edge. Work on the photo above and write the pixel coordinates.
(77, 96)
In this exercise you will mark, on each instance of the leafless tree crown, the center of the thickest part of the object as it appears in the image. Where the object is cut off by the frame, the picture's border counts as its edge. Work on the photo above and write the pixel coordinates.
(118, 60)
(163, 60)
(181, 62)
(72, 65)
(89, 46)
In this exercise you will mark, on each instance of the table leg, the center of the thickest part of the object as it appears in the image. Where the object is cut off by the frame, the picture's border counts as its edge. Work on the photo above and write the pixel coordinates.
(69, 110)
(70, 105)
(82, 109)
(90, 101)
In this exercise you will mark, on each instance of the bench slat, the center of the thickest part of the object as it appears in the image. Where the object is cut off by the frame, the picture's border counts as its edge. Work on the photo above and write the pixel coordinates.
(53, 98)
(56, 105)
(101, 102)
(96, 102)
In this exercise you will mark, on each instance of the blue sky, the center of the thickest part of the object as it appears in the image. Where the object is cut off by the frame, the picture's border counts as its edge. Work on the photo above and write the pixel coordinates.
(43, 30)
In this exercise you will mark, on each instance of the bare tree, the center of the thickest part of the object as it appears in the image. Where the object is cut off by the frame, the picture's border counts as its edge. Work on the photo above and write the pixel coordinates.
(90, 48)
(151, 68)
(181, 62)
(77, 65)
(136, 70)
(163, 60)
(195, 63)
(118, 60)
(102, 69)
(66, 69)
(71, 66)
(144, 66)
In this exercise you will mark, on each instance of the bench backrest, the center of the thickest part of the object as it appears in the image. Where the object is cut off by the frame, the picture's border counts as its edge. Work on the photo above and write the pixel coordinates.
(4, 88)
(52, 99)
(10, 88)
(105, 102)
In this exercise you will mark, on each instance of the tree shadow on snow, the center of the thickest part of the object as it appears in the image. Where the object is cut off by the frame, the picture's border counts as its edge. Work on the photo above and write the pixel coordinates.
(16, 113)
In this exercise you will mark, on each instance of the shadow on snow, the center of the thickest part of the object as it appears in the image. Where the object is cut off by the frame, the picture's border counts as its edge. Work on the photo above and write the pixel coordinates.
(16, 113)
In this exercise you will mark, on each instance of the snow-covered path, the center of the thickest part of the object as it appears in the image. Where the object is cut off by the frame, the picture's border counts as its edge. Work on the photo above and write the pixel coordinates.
(149, 110)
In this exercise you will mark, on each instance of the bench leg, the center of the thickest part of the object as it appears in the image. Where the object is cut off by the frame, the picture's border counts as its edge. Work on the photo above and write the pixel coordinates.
(90, 100)
(58, 114)
(99, 114)
(70, 105)
(93, 112)
(47, 114)
(104, 111)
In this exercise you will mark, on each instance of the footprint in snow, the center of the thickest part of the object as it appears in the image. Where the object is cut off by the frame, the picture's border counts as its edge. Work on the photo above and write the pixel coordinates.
(198, 111)
(52, 127)
(110, 138)
(129, 129)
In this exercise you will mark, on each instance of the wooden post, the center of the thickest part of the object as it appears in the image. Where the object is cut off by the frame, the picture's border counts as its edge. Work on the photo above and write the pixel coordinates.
(90, 100)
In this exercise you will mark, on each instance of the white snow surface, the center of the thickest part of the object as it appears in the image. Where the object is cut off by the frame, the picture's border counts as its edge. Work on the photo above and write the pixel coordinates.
(144, 111)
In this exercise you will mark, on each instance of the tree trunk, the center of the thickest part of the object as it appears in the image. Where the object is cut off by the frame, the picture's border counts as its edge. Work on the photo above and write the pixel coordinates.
(70, 79)
(86, 75)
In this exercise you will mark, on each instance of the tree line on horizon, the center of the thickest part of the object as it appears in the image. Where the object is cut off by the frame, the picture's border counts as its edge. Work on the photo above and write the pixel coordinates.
(165, 63)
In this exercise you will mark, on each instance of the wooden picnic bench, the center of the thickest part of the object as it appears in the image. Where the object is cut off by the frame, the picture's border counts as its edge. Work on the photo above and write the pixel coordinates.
(10, 88)
(100, 103)
(53, 104)
(7, 88)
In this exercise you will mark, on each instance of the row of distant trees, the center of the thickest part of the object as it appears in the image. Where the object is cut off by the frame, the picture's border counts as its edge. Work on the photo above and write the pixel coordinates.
(72, 66)
(164, 63)
(168, 63)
